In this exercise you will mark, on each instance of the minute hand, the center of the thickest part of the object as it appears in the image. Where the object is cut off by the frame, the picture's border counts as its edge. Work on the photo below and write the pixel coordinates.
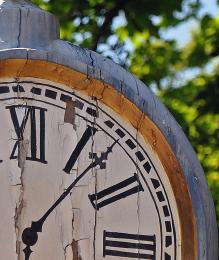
(29, 235)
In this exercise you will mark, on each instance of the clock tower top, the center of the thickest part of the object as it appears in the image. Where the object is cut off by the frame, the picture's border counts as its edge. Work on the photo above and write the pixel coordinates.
(23, 25)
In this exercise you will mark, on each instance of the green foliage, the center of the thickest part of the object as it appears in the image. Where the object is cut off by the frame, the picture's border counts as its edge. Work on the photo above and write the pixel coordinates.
(154, 60)
(89, 22)
(204, 45)
(195, 105)
(130, 33)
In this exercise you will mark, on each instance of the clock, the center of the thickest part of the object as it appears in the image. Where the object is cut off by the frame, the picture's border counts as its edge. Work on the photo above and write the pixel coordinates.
(84, 181)
(92, 165)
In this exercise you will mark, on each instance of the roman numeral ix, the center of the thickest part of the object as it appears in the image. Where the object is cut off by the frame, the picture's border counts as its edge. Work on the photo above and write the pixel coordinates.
(129, 245)
(36, 117)
(116, 192)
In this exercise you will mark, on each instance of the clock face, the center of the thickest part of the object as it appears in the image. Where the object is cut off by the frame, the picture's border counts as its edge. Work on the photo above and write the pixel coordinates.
(78, 181)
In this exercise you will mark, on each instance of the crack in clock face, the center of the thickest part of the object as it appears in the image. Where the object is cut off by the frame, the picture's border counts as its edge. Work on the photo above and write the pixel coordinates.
(86, 179)
(29, 235)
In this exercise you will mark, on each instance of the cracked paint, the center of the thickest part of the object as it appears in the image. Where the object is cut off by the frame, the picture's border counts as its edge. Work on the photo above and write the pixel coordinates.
(23, 146)
(70, 113)
(92, 59)
(19, 30)
(75, 250)
(29, 185)
(18, 212)
(75, 228)
(95, 216)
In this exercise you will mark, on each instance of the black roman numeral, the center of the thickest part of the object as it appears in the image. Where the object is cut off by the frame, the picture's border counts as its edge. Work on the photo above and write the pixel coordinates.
(129, 245)
(32, 114)
(89, 132)
(113, 193)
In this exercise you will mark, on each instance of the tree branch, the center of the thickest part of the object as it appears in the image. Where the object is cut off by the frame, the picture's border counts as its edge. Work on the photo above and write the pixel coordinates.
(103, 30)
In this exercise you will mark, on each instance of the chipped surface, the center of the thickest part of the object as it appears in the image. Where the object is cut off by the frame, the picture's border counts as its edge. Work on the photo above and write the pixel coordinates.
(70, 113)
(95, 76)
(115, 200)
(138, 121)
(75, 250)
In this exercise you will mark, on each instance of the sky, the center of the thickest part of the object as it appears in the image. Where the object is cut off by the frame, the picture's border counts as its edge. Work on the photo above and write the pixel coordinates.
(182, 33)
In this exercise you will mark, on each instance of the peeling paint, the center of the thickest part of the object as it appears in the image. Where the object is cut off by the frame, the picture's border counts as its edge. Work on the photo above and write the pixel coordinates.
(70, 73)
(101, 94)
(17, 215)
(154, 138)
(68, 254)
(75, 250)
(23, 146)
(70, 113)
(76, 228)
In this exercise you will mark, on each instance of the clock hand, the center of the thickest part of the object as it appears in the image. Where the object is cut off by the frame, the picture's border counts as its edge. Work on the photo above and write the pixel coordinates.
(27, 252)
(29, 235)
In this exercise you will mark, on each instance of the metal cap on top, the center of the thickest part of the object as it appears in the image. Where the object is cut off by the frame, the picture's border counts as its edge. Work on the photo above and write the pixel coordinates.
(15, 15)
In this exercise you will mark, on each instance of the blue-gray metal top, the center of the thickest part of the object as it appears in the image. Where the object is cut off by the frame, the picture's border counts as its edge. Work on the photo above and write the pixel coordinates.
(25, 25)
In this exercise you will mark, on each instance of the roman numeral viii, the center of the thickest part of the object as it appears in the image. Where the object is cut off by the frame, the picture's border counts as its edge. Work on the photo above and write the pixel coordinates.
(21, 115)
(116, 192)
(129, 245)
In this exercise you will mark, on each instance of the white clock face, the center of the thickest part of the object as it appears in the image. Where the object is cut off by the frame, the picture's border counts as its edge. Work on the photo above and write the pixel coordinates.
(79, 182)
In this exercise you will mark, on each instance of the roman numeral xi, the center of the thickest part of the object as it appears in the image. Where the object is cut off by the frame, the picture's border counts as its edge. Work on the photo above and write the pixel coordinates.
(129, 245)
(21, 115)
(116, 192)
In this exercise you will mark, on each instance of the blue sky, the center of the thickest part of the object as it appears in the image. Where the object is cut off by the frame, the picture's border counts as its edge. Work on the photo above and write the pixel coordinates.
(183, 32)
